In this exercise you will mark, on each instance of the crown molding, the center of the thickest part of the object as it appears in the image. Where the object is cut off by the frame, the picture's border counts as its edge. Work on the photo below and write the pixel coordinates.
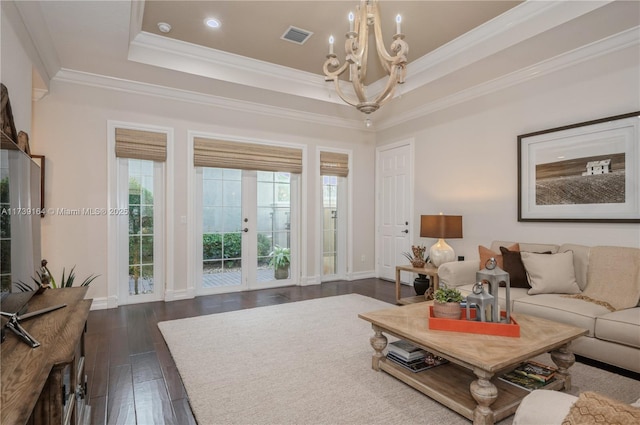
(517, 24)
(135, 87)
(28, 21)
(622, 40)
(156, 50)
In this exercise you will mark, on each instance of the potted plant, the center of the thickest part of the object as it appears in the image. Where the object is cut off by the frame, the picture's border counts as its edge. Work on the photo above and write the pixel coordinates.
(416, 256)
(280, 261)
(45, 280)
(446, 303)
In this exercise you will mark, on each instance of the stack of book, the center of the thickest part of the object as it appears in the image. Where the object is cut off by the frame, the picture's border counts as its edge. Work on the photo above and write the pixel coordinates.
(530, 375)
(411, 357)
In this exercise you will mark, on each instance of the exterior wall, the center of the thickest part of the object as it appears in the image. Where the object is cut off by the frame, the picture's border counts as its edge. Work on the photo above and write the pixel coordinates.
(466, 156)
(70, 127)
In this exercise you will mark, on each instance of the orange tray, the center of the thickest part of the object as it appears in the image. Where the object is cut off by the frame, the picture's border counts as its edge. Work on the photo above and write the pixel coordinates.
(475, 327)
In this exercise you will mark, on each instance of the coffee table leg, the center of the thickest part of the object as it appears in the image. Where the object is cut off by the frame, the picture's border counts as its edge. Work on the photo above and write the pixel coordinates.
(378, 342)
(485, 393)
(564, 359)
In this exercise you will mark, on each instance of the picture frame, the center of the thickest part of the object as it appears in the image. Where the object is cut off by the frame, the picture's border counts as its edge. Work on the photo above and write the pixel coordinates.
(40, 160)
(585, 172)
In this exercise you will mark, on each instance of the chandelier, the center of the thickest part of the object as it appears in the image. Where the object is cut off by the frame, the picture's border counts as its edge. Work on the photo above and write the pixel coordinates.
(357, 48)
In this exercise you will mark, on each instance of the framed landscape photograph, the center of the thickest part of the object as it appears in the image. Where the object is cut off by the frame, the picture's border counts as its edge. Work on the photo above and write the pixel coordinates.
(586, 172)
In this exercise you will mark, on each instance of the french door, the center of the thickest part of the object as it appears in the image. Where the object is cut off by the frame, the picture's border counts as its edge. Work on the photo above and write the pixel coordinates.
(334, 228)
(140, 236)
(242, 217)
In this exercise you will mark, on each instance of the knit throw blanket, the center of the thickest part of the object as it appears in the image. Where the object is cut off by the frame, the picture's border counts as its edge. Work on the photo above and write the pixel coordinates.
(595, 409)
(613, 278)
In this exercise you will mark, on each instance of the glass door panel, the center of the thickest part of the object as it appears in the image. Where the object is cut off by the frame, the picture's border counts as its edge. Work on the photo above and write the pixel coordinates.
(221, 227)
(329, 224)
(140, 240)
(141, 235)
(274, 225)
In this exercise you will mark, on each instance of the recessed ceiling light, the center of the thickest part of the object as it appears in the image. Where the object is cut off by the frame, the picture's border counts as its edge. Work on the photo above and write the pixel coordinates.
(212, 22)
(164, 27)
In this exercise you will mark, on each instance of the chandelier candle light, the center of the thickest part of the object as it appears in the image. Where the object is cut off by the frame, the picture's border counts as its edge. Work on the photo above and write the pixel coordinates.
(357, 47)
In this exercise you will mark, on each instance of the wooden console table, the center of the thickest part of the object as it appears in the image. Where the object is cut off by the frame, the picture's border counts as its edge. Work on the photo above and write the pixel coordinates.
(428, 270)
(47, 384)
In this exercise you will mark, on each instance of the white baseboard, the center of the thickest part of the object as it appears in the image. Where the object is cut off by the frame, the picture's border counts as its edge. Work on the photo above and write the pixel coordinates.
(183, 294)
(370, 274)
(310, 280)
(103, 303)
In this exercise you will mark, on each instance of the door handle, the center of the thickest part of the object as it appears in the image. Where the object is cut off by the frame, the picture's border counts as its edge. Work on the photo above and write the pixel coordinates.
(245, 230)
(405, 231)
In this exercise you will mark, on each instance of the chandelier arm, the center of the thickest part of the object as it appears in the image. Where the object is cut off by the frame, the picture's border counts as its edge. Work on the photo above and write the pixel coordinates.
(342, 95)
(383, 55)
(389, 89)
(358, 88)
(333, 62)
(401, 49)
(363, 35)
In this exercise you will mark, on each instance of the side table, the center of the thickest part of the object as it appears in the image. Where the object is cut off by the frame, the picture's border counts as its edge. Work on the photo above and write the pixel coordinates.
(428, 270)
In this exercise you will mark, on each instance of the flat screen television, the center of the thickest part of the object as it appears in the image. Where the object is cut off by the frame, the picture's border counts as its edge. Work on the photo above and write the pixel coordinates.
(20, 253)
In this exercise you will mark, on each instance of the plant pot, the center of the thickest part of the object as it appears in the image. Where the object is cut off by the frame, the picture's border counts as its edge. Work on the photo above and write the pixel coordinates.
(281, 273)
(447, 310)
(421, 284)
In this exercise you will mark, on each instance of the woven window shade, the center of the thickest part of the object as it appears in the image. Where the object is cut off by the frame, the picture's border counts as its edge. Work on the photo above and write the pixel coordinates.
(245, 156)
(140, 144)
(334, 164)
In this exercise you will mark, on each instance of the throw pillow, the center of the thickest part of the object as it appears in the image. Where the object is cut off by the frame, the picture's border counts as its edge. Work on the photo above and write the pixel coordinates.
(550, 273)
(513, 265)
(594, 408)
(486, 254)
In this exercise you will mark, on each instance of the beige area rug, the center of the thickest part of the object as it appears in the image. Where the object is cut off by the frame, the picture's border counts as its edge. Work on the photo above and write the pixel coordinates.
(309, 362)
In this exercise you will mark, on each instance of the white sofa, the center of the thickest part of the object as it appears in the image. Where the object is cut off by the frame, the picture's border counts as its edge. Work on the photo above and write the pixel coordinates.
(614, 336)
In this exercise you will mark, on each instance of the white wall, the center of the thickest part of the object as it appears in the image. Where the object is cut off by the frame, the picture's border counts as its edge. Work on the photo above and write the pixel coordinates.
(70, 127)
(15, 71)
(466, 156)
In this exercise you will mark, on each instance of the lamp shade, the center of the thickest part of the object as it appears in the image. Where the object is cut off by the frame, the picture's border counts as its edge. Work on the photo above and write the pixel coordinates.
(441, 226)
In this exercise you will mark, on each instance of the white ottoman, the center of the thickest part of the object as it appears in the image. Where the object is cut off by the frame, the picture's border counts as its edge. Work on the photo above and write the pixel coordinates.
(543, 407)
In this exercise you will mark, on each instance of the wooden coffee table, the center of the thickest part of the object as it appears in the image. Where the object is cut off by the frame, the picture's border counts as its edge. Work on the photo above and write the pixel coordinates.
(469, 384)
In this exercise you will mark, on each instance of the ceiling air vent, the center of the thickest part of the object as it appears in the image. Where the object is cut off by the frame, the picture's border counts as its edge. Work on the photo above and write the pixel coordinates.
(296, 35)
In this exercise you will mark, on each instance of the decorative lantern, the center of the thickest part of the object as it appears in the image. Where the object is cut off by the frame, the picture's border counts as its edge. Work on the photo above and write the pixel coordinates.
(494, 275)
(483, 302)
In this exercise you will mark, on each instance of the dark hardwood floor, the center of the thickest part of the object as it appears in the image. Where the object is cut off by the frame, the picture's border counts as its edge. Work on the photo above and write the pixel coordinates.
(132, 377)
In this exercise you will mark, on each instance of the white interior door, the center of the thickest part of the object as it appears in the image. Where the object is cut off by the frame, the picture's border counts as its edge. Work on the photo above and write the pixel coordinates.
(394, 175)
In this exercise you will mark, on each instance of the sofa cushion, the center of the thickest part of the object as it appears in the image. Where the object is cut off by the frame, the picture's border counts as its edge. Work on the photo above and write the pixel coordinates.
(622, 327)
(561, 309)
(550, 274)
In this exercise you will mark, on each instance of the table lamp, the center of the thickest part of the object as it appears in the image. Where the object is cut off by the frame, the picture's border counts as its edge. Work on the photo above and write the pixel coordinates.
(441, 227)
